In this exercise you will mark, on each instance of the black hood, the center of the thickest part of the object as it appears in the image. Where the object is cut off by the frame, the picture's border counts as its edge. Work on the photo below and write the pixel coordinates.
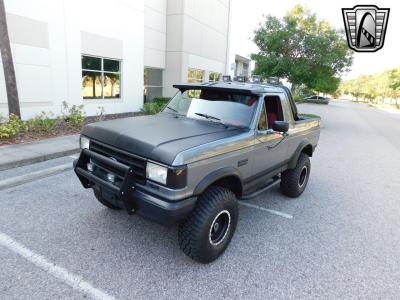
(159, 137)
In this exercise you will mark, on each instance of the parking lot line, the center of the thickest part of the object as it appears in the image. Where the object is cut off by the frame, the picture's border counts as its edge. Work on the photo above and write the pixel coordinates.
(14, 181)
(271, 211)
(74, 156)
(74, 281)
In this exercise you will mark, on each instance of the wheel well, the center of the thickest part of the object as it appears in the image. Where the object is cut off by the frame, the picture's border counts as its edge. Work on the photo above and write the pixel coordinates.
(308, 150)
(232, 183)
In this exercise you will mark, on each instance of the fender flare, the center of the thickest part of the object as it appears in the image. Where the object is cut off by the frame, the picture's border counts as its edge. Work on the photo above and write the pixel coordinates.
(215, 176)
(293, 161)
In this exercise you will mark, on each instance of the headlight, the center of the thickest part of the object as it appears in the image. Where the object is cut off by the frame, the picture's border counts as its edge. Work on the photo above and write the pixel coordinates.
(156, 172)
(84, 142)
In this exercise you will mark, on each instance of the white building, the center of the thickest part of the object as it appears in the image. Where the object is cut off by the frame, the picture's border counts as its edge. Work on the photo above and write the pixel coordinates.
(242, 66)
(111, 54)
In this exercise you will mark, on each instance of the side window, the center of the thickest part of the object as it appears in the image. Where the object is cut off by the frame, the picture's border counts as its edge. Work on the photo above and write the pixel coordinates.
(262, 122)
(273, 107)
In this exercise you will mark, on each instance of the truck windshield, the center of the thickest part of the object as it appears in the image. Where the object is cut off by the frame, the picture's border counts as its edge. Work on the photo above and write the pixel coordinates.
(213, 105)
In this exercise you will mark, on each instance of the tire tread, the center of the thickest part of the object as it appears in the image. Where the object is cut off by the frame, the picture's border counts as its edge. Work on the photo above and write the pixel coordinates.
(190, 230)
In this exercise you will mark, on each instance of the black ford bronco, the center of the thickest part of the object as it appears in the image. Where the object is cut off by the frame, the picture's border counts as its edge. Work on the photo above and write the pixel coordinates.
(212, 145)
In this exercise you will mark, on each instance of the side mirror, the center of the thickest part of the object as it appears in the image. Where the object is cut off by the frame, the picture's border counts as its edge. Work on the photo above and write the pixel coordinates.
(280, 126)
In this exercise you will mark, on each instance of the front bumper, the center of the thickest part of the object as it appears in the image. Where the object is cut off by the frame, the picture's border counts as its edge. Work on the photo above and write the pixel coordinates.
(127, 194)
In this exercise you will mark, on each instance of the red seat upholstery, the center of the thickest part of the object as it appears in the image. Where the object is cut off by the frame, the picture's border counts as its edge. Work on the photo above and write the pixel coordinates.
(274, 110)
(272, 117)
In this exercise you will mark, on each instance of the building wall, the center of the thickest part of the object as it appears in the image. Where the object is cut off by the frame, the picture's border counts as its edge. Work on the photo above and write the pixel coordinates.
(197, 37)
(242, 66)
(48, 38)
(155, 33)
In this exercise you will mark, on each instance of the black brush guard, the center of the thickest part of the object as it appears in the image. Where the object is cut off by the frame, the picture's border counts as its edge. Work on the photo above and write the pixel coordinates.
(87, 178)
(126, 194)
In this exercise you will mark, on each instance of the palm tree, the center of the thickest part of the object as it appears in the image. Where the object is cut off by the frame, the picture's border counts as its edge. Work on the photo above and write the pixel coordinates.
(8, 65)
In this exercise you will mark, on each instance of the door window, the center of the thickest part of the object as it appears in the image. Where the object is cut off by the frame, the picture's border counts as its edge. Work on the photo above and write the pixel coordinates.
(273, 107)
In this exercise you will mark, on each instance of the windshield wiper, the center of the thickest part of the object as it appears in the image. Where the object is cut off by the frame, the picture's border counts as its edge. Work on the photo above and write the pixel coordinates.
(173, 109)
(218, 120)
(207, 116)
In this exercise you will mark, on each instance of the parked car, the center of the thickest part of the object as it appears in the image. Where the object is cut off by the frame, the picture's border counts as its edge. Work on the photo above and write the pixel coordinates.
(212, 144)
(317, 99)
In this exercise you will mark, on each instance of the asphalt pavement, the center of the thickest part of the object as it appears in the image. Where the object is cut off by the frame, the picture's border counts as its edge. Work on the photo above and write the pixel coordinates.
(340, 239)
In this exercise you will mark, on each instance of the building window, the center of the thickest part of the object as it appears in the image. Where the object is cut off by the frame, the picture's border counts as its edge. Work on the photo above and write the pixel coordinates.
(153, 83)
(195, 75)
(214, 76)
(101, 78)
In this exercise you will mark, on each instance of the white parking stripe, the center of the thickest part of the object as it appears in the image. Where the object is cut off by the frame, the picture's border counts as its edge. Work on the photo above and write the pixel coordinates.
(74, 281)
(271, 211)
(14, 181)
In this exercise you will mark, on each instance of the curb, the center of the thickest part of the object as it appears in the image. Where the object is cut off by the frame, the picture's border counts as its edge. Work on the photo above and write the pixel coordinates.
(36, 159)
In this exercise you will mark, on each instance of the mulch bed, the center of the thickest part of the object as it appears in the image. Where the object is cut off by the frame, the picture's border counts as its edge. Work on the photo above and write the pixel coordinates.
(62, 128)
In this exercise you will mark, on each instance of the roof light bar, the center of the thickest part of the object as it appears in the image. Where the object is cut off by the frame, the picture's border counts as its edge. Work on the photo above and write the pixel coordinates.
(226, 78)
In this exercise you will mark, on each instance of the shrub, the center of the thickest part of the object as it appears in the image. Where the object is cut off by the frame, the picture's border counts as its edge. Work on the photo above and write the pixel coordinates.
(73, 115)
(298, 98)
(151, 108)
(43, 123)
(155, 105)
(11, 127)
(161, 100)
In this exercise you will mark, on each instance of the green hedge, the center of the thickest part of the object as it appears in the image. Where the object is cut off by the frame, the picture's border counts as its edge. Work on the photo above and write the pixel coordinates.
(43, 123)
(11, 127)
(156, 105)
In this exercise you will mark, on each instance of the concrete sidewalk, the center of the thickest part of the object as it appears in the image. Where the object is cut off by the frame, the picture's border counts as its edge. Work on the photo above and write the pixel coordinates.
(24, 154)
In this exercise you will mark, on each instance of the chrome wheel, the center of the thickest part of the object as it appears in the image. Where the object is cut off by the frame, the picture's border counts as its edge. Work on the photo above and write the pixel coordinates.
(219, 227)
(303, 176)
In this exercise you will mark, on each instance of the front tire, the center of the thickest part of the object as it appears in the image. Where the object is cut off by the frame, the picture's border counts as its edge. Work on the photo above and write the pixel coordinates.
(294, 181)
(207, 232)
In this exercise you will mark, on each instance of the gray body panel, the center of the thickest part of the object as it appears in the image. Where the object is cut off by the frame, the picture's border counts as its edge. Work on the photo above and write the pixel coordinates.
(160, 137)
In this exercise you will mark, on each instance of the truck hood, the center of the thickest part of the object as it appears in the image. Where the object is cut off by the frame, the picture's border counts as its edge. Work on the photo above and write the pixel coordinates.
(159, 137)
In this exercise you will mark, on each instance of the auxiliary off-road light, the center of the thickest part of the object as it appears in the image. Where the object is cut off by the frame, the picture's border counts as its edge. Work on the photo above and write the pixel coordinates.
(110, 177)
(90, 167)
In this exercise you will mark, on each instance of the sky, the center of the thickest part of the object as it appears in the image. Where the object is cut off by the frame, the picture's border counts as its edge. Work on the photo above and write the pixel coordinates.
(247, 14)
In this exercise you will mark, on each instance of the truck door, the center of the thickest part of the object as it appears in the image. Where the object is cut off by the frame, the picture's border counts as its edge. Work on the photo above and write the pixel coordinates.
(270, 150)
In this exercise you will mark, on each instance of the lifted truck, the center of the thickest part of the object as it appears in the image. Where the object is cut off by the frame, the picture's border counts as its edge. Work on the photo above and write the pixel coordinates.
(212, 144)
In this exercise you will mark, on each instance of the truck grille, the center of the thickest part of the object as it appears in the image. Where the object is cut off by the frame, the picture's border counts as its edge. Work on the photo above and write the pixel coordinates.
(137, 164)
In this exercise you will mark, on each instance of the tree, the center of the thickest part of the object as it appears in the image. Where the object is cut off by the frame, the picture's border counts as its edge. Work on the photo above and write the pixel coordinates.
(394, 76)
(8, 65)
(302, 49)
(379, 87)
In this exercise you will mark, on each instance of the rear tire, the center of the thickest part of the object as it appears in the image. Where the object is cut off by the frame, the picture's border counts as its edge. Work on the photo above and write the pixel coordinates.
(105, 202)
(294, 181)
(207, 232)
